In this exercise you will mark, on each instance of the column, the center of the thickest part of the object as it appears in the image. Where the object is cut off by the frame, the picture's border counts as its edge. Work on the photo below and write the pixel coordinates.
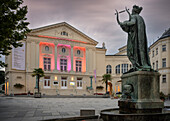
(37, 55)
(72, 58)
(55, 56)
(87, 59)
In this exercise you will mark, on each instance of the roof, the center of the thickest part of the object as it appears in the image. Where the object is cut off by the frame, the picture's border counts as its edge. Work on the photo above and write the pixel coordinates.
(63, 24)
(165, 34)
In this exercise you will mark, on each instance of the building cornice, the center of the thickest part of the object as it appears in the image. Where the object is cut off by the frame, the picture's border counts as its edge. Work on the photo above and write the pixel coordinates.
(59, 38)
(63, 24)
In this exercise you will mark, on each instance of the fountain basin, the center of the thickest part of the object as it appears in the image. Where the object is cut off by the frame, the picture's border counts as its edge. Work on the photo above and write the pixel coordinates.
(114, 115)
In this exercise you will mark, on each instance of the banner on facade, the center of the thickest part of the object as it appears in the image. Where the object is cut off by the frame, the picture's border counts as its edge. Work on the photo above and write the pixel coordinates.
(18, 57)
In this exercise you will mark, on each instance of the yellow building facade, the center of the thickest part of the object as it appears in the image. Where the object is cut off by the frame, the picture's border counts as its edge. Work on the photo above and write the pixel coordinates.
(160, 60)
(72, 63)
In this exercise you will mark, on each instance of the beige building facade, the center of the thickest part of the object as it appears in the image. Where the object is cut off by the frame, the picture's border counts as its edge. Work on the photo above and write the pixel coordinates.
(160, 60)
(72, 63)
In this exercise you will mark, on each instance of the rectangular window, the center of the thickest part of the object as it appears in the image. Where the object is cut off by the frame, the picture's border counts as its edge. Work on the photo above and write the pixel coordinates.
(79, 83)
(153, 53)
(156, 65)
(163, 48)
(153, 65)
(118, 69)
(63, 83)
(78, 66)
(163, 62)
(47, 64)
(163, 78)
(47, 82)
(63, 65)
(156, 51)
(124, 68)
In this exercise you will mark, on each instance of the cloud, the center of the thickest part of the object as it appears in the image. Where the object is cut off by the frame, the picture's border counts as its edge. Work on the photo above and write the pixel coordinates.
(96, 18)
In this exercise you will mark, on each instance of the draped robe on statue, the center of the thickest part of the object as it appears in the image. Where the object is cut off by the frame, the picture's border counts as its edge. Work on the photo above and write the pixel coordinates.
(137, 50)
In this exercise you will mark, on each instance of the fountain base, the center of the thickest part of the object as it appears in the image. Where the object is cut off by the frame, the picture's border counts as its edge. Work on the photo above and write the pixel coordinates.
(114, 115)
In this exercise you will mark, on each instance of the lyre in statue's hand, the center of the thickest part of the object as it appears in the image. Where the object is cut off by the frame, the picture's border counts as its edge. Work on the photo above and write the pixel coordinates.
(117, 14)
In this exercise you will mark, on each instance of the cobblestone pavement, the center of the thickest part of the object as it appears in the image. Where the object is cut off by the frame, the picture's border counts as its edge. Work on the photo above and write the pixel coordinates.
(33, 109)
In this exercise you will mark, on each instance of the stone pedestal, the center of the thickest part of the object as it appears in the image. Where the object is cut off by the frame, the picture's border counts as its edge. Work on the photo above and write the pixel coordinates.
(144, 95)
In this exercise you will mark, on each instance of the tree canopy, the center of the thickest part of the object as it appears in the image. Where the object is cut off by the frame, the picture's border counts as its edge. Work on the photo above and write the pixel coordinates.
(38, 72)
(13, 26)
(105, 79)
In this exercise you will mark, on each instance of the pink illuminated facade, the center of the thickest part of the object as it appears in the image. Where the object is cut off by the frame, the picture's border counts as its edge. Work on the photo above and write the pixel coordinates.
(46, 51)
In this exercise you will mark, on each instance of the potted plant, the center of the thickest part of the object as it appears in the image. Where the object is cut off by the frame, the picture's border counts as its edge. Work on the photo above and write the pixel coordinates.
(18, 85)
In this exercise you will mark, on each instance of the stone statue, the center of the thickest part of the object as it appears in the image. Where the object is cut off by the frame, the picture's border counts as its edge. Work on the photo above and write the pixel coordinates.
(137, 49)
(128, 89)
(103, 46)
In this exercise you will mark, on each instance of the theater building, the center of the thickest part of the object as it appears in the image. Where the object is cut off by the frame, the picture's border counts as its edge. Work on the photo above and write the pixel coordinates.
(72, 63)
(160, 60)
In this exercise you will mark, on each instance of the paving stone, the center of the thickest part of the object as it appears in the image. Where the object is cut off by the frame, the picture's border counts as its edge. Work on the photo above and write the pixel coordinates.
(31, 109)
(21, 114)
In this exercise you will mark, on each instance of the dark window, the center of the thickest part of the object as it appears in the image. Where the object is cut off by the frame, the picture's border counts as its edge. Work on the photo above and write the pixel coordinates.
(46, 48)
(47, 64)
(153, 53)
(78, 52)
(163, 47)
(63, 50)
(64, 33)
(108, 69)
(78, 66)
(63, 64)
(163, 62)
(156, 51)
(156, 65)
(118, 69)
(163, 78)
(124, 68)
(153, 65)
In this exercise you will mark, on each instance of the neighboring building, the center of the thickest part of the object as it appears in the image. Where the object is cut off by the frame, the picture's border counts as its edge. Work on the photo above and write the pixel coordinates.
(70, 59)
(160, 60)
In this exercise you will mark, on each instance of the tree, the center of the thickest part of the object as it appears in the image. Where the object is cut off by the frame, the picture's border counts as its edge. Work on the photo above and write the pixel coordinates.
(39, 73)
(13, 26)
(105, 79)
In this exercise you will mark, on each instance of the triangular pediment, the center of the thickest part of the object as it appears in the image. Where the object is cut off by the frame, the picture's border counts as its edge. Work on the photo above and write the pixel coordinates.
(56, 30)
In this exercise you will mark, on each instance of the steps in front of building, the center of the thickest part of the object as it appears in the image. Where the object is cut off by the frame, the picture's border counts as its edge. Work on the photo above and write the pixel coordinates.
(72, 92)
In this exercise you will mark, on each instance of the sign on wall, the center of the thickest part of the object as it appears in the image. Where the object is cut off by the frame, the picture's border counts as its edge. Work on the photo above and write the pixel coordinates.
(18, 57)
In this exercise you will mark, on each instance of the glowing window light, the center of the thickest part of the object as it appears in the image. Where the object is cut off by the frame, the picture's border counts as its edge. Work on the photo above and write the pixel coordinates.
(72, 83)
(42, 55)
(118, 89)
(72, 78)
(55, 78)
(68, 57)
(83, 59)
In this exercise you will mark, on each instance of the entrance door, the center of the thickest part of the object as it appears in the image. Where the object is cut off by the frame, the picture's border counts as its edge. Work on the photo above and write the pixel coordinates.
(63, 84)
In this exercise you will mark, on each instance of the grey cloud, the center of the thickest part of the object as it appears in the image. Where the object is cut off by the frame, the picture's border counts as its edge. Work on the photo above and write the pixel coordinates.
(96, 17)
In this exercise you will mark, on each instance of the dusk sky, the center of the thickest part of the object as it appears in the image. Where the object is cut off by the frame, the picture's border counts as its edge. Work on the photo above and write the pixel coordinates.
(96, 18)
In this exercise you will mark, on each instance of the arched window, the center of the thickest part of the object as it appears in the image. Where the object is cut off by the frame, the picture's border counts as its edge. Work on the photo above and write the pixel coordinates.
(124, 68)
(118, 69)
(108, 69)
